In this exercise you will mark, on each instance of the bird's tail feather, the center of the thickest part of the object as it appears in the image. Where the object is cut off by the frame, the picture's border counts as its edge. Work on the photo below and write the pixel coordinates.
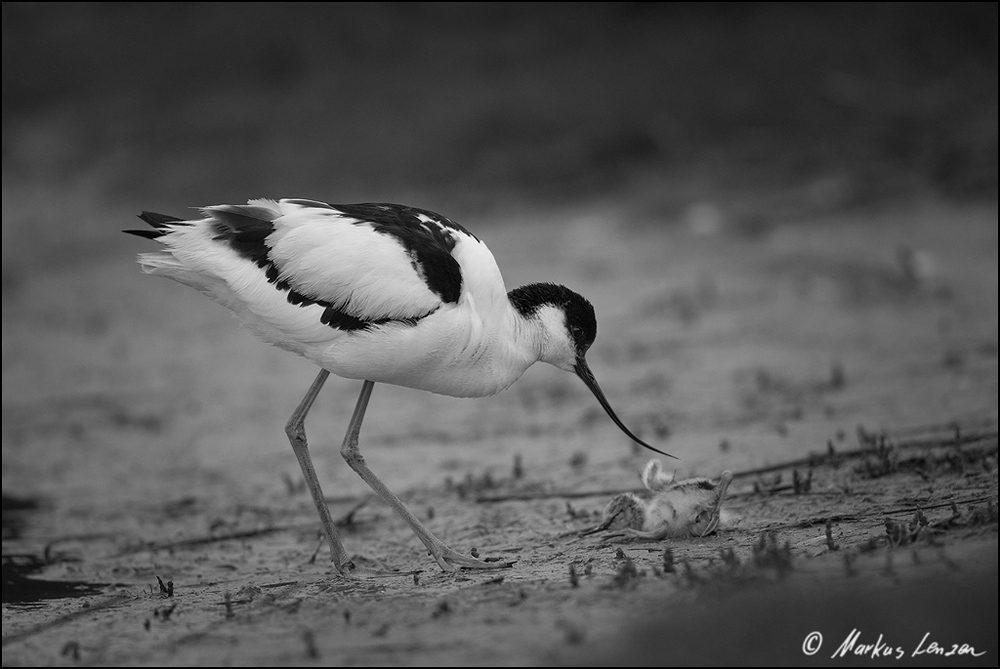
(172, 231)
(164, 263)
(161, 224)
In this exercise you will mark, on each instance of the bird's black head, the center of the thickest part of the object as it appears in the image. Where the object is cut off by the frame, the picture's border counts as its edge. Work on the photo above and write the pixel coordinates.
(580, 321)
(571, 326)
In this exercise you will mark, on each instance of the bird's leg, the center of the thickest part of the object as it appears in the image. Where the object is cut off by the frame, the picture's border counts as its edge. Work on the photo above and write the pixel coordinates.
(447, 558)
(295, 429)
(724, 481)
(664, 531)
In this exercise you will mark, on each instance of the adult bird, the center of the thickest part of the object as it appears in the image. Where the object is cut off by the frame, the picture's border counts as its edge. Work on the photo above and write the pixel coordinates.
(382, 293)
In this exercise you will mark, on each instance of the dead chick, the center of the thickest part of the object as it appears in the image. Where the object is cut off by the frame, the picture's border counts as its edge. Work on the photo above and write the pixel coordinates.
(676, 509)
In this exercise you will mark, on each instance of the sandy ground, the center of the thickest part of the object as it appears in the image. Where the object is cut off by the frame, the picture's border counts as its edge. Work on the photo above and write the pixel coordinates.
(148, 428)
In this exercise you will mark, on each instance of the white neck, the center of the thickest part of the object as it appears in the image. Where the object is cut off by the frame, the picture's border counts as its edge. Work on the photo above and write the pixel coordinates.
(545, 332)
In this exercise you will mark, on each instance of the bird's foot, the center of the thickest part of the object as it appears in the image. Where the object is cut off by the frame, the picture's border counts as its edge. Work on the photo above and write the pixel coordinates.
(451, 560)
(707, 523)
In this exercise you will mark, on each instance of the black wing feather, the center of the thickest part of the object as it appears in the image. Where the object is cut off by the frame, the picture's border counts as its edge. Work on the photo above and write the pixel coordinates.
(428, 245)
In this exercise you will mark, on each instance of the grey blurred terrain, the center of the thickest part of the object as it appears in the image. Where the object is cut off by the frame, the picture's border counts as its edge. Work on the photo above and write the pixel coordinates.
(785, 216)
(485, 107)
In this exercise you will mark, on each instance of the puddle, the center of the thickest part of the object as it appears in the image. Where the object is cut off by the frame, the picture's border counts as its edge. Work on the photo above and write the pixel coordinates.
(18, 585)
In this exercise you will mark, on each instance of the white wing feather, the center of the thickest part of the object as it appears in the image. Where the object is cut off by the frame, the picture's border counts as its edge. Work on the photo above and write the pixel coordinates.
(329, 256)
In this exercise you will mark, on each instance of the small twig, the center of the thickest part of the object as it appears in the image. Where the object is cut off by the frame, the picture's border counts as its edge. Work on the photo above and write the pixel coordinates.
(839, 456)
(346, 519)
(165, 590)
(849, 517)
(830, 543)
(951, 426)
(568, 494)
(113, 600)
(812, 460)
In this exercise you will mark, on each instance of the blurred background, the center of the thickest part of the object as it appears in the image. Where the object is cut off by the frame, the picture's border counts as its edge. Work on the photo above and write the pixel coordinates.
(475, 108)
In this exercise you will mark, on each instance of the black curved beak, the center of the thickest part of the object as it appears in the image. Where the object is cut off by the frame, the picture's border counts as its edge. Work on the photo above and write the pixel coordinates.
(583, 371)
